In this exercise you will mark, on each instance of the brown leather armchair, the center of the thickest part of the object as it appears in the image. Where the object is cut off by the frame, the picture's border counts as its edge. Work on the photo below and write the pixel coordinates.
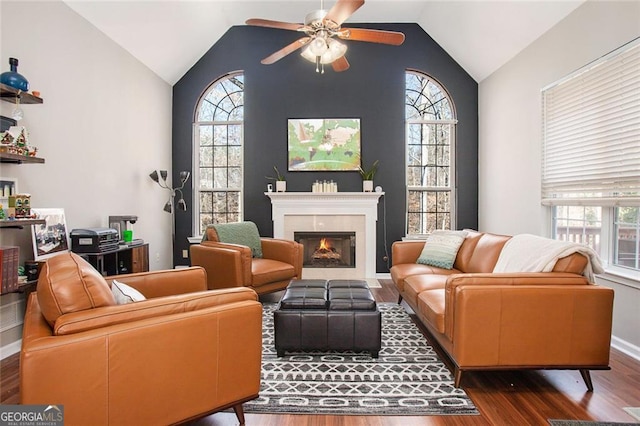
(232, 265)
(181, 354)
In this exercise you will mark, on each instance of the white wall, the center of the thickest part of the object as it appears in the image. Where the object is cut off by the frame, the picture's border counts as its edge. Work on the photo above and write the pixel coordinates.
(105, 123)
(510, 124)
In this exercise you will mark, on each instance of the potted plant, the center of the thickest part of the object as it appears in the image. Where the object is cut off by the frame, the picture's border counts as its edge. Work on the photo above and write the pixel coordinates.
(281, 184)
(367, 176)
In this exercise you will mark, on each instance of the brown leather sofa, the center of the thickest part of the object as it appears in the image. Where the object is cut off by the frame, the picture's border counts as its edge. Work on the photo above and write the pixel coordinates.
(181, 354)
(491, 321)
(232, 265)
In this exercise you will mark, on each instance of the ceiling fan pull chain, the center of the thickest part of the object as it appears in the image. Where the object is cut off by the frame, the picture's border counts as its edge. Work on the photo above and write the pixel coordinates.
(318, 64)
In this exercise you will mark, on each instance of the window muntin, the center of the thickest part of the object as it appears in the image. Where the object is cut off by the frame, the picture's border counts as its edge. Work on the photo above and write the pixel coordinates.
(219, 152)
(579, 224)
(627, 237)
(430, 140)
(613, 232)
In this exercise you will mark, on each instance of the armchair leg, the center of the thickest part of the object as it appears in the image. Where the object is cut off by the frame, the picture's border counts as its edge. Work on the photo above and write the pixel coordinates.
(399, 299)
(239, 413)
(586, 376)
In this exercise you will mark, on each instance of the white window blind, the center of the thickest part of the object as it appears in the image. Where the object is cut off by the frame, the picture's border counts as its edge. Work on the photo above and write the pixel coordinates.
(591, 133)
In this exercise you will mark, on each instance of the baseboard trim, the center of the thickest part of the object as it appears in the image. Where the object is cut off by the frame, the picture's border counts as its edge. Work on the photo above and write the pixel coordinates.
(10, 349)
(383, 276)
(625, 347)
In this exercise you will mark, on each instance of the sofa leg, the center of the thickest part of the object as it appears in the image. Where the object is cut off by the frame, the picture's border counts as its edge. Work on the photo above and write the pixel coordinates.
(457, 377)
(399, 299)
(239, 413)
(586, 376)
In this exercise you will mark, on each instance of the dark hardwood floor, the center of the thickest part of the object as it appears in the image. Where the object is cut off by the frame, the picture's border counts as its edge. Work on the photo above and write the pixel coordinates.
(502, 397)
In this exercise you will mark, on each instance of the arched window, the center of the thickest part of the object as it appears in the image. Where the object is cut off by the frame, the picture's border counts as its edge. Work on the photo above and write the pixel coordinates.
(430, 144)
(218, 158)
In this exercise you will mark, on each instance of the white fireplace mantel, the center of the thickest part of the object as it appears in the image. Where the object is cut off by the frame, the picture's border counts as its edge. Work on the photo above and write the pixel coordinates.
(320, 208)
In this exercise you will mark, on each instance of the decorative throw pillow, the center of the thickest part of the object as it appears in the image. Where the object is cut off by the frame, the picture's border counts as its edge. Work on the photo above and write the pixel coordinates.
(243, 233)
(441, 248)
(125, 294)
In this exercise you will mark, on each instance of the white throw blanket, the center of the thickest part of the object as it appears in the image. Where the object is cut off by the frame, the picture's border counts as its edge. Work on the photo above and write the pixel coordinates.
(531, 253)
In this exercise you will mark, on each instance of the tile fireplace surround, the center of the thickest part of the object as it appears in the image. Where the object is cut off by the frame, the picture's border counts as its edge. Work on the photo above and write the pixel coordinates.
(330, 212)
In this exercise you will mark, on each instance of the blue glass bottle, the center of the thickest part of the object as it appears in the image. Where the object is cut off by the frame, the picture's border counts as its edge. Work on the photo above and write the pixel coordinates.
(13, 79)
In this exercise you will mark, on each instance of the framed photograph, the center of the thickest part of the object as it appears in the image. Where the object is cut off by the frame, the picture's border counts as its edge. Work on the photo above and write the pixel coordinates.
(8, 186)
(323, 144)
(50, 238)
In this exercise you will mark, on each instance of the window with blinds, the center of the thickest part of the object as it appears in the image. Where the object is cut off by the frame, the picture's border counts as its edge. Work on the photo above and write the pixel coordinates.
(591, 133)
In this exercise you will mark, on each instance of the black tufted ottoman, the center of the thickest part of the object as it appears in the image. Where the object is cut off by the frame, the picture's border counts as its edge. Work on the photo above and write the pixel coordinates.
(327, 315)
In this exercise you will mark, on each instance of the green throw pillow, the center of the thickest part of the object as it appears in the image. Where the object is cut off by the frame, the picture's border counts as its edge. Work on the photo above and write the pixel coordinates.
(243, 233)
(441, 248)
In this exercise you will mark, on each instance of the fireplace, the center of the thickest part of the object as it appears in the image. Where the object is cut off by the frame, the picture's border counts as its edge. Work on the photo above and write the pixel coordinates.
(331, 213)
(327, 249)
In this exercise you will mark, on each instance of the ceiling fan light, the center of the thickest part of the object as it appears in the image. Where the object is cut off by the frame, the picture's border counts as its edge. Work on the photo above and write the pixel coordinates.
(306, 53)
(318, 46)
(336, 50)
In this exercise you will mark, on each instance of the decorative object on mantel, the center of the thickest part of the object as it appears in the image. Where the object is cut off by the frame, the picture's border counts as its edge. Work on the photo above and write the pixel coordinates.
(324, 186)
(367, 176)
(281, 184)
(13, 78)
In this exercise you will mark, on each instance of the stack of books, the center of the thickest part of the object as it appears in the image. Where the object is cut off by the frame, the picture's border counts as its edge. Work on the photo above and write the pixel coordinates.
(9, 258)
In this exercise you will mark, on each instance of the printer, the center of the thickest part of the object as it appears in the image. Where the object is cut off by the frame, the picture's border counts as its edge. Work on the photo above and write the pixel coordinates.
(94, 240)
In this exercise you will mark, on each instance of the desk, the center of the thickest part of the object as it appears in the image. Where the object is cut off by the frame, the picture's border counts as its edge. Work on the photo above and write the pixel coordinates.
(124, 260)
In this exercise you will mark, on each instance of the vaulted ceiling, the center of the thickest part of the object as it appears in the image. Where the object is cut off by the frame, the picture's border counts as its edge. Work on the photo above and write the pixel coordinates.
(170, 36)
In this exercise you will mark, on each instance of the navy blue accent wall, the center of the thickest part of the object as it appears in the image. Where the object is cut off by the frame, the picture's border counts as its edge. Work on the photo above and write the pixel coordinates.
(372, 90)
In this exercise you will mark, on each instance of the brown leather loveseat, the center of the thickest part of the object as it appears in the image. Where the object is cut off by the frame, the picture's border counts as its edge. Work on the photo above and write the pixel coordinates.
(181, 354)
(517, 320)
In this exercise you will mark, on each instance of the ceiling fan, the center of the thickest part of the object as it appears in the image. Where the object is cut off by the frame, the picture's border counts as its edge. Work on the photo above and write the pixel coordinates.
(321, 28)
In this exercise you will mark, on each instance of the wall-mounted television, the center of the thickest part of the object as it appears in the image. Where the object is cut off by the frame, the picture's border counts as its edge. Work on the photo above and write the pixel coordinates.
(323, 144)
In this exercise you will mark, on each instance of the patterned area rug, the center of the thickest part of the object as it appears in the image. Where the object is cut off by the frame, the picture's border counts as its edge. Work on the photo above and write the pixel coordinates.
(407, 379)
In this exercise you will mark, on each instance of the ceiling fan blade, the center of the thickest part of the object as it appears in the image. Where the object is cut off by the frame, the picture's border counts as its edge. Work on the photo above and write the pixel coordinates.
(341, 11)
(340, 64)
(274, 24)
(290, 48)
(373, 36)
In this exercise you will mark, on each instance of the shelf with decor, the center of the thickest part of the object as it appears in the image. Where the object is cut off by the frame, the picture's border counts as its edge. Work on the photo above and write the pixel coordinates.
(10, 94)
(20, 223)
(6, 157)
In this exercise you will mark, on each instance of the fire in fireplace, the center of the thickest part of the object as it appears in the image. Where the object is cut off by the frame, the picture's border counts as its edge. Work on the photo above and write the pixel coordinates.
(327, 249)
